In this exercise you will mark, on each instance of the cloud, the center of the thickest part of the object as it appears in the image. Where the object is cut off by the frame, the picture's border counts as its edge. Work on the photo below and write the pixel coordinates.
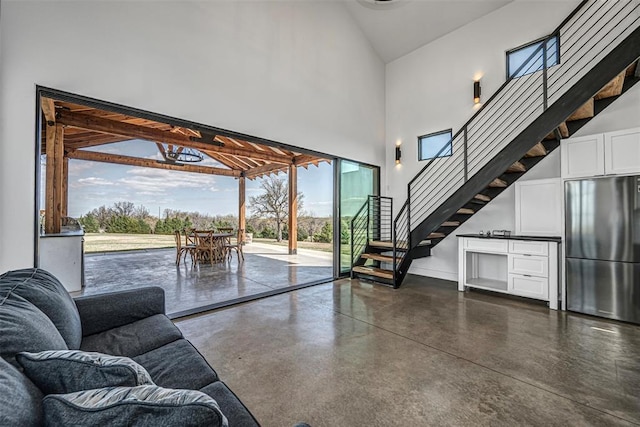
(158, 181)
(92, 181)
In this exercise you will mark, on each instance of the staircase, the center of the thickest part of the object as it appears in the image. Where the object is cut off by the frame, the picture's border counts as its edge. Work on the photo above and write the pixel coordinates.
(523, 122)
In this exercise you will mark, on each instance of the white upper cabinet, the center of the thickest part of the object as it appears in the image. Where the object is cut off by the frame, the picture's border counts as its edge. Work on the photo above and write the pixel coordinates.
(611, 153)
(539, 208)
(582, 157)
(622, 152)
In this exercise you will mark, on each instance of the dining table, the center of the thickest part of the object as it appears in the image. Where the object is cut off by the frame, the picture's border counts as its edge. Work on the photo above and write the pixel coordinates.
(210, 245)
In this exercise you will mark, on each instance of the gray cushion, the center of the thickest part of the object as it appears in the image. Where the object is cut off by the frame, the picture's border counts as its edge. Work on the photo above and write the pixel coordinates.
(25, 328)
(68, 371)
(135, 338)
(43, 290)
(237, 414)
(177, 365)
(20, 400)
(133, 406)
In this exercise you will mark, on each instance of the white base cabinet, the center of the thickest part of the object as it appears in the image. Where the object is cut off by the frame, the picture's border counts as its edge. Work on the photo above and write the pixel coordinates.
(526, 268)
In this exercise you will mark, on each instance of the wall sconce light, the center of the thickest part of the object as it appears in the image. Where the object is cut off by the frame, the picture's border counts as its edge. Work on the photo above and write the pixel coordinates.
(476, 92)
(398, 154)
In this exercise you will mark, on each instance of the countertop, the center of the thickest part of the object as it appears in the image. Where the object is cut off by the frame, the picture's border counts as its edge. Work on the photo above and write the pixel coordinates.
(555, 239)
(72, 233)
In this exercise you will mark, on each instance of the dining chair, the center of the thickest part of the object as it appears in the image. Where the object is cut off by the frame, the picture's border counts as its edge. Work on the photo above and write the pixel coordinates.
(224, 229)
(180, 250)
(237, 246)
(205, 246)
(190, 239)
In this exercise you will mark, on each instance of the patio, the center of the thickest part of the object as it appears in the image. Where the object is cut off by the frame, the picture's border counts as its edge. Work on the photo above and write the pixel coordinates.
(266, 268)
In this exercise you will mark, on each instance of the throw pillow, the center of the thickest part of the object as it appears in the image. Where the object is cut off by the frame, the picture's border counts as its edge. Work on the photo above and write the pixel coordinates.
(145, 405)
(20, 400)
(68, 371)
(43, 290)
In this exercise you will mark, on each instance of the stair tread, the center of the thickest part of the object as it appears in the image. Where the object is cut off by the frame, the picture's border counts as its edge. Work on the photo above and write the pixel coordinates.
(537, 150)
(516, 167)
(498, 183)
(450, 224)
(631, 69)
(613, 88)
(465, 211)
(379, 257)
(584, 112)
(402, 244)
(374, 271)
(563, 129)
(436, 236)
(482, 197)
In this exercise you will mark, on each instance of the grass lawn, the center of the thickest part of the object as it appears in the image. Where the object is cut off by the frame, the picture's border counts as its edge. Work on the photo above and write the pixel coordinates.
(110, 242)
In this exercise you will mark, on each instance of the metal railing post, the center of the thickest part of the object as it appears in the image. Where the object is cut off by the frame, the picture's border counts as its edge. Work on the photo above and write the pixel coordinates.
(544, 74)
(466, 162)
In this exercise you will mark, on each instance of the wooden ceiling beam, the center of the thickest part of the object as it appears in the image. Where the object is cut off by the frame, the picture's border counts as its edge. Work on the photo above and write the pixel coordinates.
(49, 109)
(261, 170)
(148, 163)
(132, 131)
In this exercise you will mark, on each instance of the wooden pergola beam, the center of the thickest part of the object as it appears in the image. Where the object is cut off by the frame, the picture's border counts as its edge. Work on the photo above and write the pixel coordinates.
(242, 207)
(261, 170)
(148, 163)
(293, 209)
(132, 131)
(48, 109)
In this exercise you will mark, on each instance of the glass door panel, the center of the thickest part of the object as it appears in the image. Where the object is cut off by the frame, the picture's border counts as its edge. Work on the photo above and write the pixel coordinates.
(357, 182)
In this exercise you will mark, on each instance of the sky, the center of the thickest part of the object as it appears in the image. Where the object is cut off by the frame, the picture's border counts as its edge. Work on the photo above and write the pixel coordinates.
(93, 184)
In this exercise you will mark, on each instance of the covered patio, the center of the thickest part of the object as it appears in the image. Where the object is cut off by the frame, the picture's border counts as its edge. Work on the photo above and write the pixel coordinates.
(74, 131)
(189, 289)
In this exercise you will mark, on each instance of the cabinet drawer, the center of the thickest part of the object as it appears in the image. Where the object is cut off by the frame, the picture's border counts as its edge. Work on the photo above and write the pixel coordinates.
(529, 248)
(529, 286)
(532, 265)
(487, 245)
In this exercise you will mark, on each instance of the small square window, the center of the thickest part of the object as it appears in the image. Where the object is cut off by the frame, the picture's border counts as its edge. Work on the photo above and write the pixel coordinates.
(518, 57)
(437, 144)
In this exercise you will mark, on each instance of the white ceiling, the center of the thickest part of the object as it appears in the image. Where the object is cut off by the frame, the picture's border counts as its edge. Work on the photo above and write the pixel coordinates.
(400, 28)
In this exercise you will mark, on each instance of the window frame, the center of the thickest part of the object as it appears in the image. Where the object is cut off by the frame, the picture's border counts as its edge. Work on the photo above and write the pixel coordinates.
(421, 138)
(529, 44)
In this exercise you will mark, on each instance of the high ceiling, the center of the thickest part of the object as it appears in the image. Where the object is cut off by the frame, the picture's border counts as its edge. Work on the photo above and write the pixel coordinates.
(401, 26)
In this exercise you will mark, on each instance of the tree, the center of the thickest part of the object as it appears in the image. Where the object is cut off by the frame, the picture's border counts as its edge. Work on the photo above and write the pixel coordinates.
(89, 223)
(274, 203)
(326, 233)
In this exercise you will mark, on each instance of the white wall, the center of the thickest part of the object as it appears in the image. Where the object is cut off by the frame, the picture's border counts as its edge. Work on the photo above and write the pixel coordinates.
(300, 73)
(431, 89)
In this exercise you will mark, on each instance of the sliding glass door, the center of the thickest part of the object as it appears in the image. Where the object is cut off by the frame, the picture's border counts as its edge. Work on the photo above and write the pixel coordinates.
(356, 182)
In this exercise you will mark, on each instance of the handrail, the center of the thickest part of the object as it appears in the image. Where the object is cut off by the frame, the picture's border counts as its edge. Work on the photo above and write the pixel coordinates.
(585, 36)
(373, 221)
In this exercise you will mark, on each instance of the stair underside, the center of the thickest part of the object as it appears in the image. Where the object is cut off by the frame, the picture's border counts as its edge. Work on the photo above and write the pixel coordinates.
(374, 271)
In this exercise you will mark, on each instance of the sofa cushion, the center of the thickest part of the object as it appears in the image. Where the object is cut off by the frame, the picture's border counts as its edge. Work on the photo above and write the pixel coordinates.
(135, 338)
(25, 328)
(43, 290)
(177, 365)
(133, 406)
(234, 410)
(68, 371)
(20, 400)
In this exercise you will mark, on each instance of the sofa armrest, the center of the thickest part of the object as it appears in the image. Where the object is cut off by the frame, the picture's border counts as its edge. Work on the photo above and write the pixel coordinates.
(102, 312)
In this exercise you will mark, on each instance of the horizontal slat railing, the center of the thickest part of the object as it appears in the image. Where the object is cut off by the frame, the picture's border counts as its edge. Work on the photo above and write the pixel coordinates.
(588, 35)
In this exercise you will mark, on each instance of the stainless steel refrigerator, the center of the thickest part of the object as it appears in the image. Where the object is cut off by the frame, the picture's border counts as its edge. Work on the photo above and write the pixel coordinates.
(603, 247)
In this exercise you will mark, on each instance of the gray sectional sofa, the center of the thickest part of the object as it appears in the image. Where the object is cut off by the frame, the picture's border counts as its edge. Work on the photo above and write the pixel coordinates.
(37, 314)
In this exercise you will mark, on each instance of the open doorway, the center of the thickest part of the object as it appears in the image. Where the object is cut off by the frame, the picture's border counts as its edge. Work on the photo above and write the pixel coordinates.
(148, 190)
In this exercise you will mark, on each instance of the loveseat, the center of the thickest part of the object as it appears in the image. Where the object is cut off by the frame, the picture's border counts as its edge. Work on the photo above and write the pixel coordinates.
(37, 314)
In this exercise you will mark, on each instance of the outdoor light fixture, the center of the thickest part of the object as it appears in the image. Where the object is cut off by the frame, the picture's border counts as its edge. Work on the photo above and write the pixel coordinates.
(476, 92)
(398, 154)
(184, 155)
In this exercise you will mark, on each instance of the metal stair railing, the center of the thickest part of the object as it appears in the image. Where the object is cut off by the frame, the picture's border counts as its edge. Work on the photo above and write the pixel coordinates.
(592, 31)
(373, 221)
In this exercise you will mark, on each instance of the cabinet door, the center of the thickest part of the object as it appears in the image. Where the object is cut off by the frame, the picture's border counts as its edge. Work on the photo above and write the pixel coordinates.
(539, 207)
(529, 286)
(622, 152)
(582, 157)
(529, 265)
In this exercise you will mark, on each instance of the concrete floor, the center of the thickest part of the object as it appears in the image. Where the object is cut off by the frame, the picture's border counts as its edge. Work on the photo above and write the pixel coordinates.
(266, 267)
(357, 354)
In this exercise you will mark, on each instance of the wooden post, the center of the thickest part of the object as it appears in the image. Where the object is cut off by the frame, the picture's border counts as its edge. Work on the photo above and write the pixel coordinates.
(65, 187)
(293, 209)
(242, 210)
(54, 178)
